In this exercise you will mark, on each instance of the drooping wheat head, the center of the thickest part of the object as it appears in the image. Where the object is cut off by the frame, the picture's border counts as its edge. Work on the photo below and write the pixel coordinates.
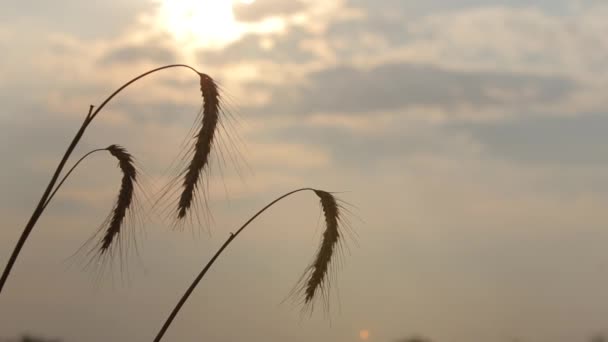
(116, 235)
(320, 274)
(210, 146)
(319, 268)
(125, 196)
(202, 146)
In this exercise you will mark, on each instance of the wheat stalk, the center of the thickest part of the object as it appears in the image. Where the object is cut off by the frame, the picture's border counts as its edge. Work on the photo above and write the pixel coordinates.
(318, 270)
(51, 189)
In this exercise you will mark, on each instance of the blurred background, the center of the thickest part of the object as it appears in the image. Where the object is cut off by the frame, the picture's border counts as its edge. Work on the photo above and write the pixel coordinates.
(469, 136)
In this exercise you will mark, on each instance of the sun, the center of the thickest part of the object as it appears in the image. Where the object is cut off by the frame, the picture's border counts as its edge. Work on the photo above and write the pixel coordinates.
(201, 22)
(364, 334)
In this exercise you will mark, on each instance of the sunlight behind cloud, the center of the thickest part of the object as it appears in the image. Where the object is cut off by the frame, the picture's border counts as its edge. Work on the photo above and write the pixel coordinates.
(208, 24)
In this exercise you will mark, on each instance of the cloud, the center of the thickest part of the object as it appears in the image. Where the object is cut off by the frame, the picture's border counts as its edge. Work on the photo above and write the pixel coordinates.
(138, 53)
(262, 9)
(576, 140)
(498, 57)
(84, 20)
(396, 86)
(548, 38)
(513, 40)
(279, 48)
(397, 138)
(413, 8)
(393, 21)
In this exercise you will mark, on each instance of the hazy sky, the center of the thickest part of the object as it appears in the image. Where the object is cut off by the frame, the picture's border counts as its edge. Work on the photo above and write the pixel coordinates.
(470, 135)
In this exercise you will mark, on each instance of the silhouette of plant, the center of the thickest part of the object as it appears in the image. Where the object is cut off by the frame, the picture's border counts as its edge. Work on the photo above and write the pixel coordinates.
(191, 178)
(318, 276)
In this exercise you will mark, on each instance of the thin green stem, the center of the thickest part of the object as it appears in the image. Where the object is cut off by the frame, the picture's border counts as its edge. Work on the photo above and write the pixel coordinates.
(198, 278)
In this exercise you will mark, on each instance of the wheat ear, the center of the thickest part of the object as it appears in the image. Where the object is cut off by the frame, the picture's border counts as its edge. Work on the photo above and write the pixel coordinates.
(317, 278)
(125, 195)
(202, 145)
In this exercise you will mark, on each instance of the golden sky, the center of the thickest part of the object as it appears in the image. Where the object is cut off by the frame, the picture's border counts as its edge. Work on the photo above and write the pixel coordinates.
(469, 135)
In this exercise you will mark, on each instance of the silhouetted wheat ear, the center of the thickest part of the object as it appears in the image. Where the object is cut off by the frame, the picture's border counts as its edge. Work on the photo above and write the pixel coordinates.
(125, 196)
(318, 270)
(202, 145)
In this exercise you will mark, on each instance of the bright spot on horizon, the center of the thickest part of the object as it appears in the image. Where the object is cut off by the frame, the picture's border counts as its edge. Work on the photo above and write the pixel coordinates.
(208, 23)
(364, 334)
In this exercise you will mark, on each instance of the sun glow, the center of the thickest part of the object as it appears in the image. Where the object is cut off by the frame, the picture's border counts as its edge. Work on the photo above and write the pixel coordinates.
(364, 334)
(208, 23)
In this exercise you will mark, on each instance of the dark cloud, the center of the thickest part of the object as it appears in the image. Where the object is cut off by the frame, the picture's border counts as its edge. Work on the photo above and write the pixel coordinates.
(350, 149)
(138, 53)
(573, 140)
(285, 49)
(395, 86)
(262, 9)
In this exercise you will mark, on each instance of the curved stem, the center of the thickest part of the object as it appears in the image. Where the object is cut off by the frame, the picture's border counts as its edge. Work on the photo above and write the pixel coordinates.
(181, 302)
(268, 206)
(68, 174)
(45, 196)
(134, 80)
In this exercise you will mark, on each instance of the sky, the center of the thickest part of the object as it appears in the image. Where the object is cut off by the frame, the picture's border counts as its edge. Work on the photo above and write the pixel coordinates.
(468, 137)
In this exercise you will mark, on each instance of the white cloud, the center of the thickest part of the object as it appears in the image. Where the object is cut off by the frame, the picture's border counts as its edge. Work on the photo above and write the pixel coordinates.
(521, 40)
